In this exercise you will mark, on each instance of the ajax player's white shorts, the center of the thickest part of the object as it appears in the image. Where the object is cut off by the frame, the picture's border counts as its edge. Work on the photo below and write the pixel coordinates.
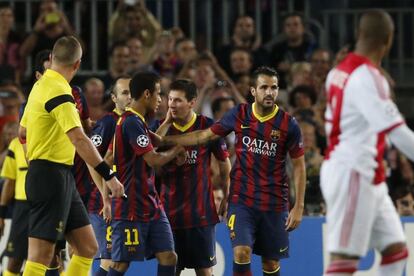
(360, 215)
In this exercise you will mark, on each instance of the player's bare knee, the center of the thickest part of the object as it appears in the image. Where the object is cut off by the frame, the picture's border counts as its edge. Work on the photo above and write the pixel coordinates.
(270, 265)
(87, 249)
(120, 267)
(394, 249)
(167, 258)
(40, 256)
(242, 254)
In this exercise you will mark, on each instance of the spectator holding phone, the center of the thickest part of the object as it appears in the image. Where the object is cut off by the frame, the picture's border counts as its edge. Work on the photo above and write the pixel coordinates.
(50, 25)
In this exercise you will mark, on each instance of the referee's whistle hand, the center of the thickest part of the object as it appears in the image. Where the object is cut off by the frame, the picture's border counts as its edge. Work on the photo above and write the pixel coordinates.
(117, 189)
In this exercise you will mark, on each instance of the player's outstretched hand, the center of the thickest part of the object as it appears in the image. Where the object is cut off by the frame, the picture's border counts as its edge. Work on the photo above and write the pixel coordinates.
(181, 156)
(294, 218)
(117, 189)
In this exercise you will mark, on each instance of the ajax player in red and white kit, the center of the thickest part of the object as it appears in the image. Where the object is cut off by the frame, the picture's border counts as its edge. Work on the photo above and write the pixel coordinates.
(359, 117)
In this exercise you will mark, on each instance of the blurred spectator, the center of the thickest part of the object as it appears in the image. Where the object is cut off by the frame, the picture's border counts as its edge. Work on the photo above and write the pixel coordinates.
(302, 97)
(293, 48)
(300, 74)
(134, 21)
(204, 74)
(50, 25)
(137, 60)
(166, 60)
(212, 81)
(321, 63)
(11, 98)
(10, 41)
(8, 133)
(118, 63)
(177, 33)
(243, 84)
(403, 198)
(94, 94)
(241, 62)
(186, 52)
(244, 36)
(221, 105)
(313, 201)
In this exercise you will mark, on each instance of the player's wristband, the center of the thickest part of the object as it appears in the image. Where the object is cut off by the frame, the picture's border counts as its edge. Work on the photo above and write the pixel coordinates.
(3, 211)
(104, 170)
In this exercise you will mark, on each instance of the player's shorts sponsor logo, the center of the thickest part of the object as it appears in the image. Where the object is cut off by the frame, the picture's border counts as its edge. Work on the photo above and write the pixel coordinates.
(143, 141)
(260, 146)
(96, 140)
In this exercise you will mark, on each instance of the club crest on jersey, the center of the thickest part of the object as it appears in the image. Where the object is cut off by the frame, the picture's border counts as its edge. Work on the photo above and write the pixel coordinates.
(96, 140)
(143, 141)
(275, 134)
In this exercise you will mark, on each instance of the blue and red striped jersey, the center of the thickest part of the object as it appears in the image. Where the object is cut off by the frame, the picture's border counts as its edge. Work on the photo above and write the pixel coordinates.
(258, 177)
(80, 170)
(186, 191)
(132, 140)
(101, 136)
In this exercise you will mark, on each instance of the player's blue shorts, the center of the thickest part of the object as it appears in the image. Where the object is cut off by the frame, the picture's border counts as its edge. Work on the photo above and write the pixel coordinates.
(264, 232)
(135, 240)
(103, 233)
(195, 247)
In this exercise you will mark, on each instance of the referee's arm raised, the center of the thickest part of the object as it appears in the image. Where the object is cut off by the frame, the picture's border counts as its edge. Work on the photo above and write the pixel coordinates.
(90, 155)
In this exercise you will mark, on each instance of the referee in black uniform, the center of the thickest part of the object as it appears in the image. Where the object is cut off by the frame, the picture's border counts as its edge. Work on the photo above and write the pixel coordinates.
(54, 132)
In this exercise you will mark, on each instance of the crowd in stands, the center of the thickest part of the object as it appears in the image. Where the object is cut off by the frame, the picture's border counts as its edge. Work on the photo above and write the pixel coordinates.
(139, 42)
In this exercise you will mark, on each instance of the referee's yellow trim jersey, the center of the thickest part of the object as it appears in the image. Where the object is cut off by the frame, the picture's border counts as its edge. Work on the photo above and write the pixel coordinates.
(15, 168)
(50, 113)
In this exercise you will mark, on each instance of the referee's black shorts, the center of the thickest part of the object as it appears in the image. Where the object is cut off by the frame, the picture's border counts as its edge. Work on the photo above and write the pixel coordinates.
(18, 242)
(55, 204)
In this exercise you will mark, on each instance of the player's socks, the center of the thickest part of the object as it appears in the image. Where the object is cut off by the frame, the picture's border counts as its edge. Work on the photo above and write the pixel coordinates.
(393, 264)
(113, 272)
(9, 273)
(166, 270)
(34, 269)
(101, 272)
(79, 266)
(342, 268)
(275, 272)
(52, 271)
(241, 269)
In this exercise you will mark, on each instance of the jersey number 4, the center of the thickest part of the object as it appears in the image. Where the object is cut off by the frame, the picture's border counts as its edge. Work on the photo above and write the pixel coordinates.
(231, 221)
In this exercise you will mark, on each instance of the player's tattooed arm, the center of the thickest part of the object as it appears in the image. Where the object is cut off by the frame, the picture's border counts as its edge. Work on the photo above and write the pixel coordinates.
(198, 137)
(299, 175)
